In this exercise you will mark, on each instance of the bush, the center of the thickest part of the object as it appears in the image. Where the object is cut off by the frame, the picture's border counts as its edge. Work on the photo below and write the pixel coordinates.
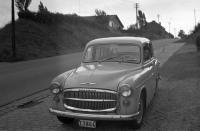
(198, 43)
(48, 17)
(41, 17)
(196, 29)
(102, 19)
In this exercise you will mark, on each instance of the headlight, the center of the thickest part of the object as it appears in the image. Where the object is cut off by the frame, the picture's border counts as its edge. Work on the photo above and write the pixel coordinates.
(125, 90)
(55, 88)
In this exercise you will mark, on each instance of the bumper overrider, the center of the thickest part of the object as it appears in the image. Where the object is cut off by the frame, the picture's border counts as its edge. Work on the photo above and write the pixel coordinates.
(70, 114)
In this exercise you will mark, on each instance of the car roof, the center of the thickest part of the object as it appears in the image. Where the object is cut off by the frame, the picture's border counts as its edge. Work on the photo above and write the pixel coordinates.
(119, 40)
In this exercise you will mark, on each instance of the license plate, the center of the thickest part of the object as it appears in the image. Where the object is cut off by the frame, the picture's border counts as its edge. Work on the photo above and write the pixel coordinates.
(87, 123)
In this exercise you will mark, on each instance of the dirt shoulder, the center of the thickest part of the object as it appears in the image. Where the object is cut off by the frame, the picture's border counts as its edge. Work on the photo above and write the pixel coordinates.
(177, 105)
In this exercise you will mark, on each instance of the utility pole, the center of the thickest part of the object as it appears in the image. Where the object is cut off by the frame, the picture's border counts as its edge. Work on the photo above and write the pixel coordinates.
(195, 18)
(169, 23)
(158, 16)
(136, 7)
(79, 7)
(174, 32)
(13, 29)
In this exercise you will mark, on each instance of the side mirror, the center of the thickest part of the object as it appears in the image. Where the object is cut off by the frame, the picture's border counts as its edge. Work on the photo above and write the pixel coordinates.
(157, 62)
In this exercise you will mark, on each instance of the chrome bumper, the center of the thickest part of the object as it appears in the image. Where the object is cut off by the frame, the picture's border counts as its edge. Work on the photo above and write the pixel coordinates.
(93, 116)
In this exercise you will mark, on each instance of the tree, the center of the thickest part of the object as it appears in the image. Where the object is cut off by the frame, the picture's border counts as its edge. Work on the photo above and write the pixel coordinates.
(144, 19)
(141, 19)
(101, 16)
(42, 8)
(99, 12)
(196, 29)
(23, 5)
(182, 34)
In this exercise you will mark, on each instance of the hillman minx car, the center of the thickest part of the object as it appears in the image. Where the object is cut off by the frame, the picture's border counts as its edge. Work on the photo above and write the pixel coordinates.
(116, 80)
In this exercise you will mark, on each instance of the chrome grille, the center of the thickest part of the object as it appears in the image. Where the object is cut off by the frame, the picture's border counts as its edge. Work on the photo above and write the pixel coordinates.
(93, 100)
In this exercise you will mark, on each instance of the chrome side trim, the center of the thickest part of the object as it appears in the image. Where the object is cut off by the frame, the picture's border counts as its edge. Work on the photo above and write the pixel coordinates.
(80, 99)
(93, 116)
(89, 110)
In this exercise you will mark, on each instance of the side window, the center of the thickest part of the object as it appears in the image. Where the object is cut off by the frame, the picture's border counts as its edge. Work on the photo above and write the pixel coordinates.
(147, 52)
(97, 53)
(151, 48)
(89, 55)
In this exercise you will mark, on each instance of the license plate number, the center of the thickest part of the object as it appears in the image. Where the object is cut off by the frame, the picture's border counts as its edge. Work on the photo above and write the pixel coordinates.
(87, 123)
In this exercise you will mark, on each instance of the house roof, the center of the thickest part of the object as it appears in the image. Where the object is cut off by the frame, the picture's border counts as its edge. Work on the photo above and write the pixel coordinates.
(93, 18)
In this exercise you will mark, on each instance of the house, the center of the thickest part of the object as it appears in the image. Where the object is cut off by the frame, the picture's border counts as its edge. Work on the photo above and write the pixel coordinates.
(113, 22)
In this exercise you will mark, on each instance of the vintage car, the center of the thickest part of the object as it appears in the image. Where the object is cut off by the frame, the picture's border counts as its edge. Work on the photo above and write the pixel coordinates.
(116, 80)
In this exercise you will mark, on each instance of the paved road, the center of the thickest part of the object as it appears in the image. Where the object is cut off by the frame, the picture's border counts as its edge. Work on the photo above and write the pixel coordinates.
(20, 79)
(24, 78)
(35, 116)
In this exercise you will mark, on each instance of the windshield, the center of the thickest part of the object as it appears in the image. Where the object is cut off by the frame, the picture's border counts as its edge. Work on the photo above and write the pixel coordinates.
(112, 53)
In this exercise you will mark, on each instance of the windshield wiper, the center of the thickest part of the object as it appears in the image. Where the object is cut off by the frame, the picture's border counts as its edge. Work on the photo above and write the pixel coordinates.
(108, 59)
(89, 61)
(125, 59)
(130, 61)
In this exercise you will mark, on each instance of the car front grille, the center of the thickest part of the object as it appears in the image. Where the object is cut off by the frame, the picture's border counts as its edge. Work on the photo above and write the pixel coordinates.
(90, 100)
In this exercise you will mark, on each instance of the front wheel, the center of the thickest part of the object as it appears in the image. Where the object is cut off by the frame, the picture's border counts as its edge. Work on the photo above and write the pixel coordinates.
(157, 80)
(141, 110)
(156, 88)
(64, 120)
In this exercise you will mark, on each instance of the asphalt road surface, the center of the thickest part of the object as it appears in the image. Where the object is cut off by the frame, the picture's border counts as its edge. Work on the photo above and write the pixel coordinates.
(18, 80)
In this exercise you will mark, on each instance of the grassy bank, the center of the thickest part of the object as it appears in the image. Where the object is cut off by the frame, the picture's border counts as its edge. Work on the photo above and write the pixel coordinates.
(41, 35)
(176, 107)
(37, 40)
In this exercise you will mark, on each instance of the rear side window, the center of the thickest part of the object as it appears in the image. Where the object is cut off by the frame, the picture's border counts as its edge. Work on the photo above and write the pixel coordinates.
(151, 48)
(147, 51)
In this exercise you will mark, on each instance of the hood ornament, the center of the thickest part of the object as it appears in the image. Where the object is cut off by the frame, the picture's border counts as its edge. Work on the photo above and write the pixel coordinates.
(87, 83)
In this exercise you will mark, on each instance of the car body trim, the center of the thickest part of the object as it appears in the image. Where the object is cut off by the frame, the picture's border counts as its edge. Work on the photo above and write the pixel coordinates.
(93, 116)
(80, 99)
(91, 89)
(89, 110)
(88, 83)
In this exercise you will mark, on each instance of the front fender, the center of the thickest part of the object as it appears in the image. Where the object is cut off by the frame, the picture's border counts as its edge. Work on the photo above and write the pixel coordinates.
(62, 77)
(136, 82)
(57, 99)
(129, 105)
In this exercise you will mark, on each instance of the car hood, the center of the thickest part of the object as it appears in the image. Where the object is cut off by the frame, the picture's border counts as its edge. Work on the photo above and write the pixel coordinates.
(100, 75)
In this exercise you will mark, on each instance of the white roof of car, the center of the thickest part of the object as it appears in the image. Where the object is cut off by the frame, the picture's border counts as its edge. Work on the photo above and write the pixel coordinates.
(119, 40)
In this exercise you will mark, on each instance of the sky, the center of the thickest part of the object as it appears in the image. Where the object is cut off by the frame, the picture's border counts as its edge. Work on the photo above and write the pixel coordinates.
(174, 14)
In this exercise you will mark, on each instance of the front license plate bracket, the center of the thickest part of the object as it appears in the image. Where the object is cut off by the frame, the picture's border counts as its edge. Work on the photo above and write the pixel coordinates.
(87, 123)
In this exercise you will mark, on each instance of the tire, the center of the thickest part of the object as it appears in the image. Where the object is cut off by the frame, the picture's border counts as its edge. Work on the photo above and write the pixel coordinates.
(198, 49)
(139, 121)
(156, 88)
(65, 120)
